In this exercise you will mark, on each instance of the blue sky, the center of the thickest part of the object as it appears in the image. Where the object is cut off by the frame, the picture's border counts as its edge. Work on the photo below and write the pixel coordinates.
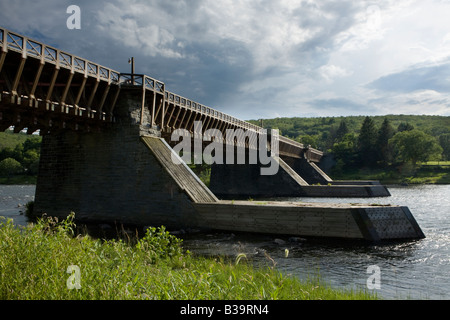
(264, 58)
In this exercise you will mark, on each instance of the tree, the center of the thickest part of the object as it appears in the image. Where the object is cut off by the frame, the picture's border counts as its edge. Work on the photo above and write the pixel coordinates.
(9, 167)
(405, 126)
(342, 130)
(344, 150)
(444, 141)
(414, 146)
(367, 140)
(385, 133)
(308, 140)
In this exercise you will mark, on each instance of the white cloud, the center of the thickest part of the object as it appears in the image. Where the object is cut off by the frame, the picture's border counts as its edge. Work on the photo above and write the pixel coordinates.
(330, 72)
(128, 25)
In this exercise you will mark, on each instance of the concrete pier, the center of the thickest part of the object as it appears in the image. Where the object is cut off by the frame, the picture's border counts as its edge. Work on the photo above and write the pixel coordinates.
(233, 181)
(347, 221)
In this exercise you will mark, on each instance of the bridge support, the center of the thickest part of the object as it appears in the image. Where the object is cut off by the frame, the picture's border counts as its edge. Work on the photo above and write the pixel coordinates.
(113, 175)
(235, 181)
(243, 181)
(308, 170)
(108, 176)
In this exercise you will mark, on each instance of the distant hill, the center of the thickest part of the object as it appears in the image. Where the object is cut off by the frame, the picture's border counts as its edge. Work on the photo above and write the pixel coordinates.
(317, 130)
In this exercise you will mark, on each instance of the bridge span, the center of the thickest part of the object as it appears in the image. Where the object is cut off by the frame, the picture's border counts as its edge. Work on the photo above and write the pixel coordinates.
(44, 88)
(107, 155)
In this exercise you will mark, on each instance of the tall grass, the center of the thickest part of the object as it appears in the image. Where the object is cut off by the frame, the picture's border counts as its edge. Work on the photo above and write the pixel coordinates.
(34, 262)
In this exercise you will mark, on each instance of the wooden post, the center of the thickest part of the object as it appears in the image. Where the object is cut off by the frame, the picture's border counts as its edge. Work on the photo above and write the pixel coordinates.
(52, 84)
(80, 91)
(66, 89)
(143, 103)
(2, 59)
(153, 109)
(18, 75)
(36, 80)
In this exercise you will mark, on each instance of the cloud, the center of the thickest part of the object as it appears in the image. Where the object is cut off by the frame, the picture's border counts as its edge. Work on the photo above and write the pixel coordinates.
(416, 78)
(330, 72)
(343, 104)
(263, 58)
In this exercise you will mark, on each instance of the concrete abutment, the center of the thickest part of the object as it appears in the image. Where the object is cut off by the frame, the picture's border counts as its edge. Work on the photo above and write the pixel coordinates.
(300, 179)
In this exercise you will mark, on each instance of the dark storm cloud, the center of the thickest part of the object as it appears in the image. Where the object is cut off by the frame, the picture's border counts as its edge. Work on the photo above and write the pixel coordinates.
(253, 58)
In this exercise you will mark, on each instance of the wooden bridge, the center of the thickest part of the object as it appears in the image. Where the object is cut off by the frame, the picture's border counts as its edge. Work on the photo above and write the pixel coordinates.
(46, 89)
(106, 155)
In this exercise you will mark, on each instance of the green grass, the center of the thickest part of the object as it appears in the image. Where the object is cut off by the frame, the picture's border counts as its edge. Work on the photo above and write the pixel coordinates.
(9, 139)
(34, 262)
(23, 179)
(436, 163)
(429, 173)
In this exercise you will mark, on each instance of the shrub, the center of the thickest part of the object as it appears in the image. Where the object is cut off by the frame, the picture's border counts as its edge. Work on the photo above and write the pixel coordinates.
(9, 167)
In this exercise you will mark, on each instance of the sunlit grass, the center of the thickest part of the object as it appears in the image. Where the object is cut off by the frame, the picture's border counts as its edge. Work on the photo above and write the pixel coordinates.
(34, 261)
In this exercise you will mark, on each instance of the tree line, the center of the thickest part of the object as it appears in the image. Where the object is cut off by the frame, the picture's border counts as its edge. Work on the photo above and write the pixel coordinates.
(372, 142)
(23, 158)
(353, 142)
(384, 146)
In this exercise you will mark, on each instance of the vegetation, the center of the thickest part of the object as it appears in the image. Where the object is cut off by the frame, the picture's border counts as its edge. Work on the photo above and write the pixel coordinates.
(390, 148)
(19, 157)
(47, 260)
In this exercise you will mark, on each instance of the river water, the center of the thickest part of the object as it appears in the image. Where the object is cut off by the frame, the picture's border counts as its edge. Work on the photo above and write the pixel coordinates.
(417, 269)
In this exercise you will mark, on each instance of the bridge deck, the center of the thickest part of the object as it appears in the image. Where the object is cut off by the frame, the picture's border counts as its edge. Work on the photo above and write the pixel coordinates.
(42, 75)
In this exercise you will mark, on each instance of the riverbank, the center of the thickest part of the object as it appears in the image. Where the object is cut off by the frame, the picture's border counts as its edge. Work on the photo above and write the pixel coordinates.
(429, 173)
(18, 180)
(47, 261)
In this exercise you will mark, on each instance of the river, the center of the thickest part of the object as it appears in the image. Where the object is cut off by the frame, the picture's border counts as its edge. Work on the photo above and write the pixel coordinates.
(417, 269)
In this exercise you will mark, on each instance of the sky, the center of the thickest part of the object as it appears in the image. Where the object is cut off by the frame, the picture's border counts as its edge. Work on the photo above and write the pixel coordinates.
(258, 59)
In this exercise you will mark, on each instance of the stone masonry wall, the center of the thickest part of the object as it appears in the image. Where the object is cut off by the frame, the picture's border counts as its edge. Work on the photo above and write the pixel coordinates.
(109, 176)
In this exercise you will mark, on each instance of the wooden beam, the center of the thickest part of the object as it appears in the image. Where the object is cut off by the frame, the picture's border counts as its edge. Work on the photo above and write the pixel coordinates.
(105, 95)
(153, 109)
(176, 118)
(80, 91)
(163, 108)
(36, 80)
(113, 105)
(2, 59)
(52, 84)
(15, 83)
(143, 105)
(184, 116)
(66, 89)
(91, 98)
(159, 109)
(198, 115)
(170, 117)
(189, 118)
